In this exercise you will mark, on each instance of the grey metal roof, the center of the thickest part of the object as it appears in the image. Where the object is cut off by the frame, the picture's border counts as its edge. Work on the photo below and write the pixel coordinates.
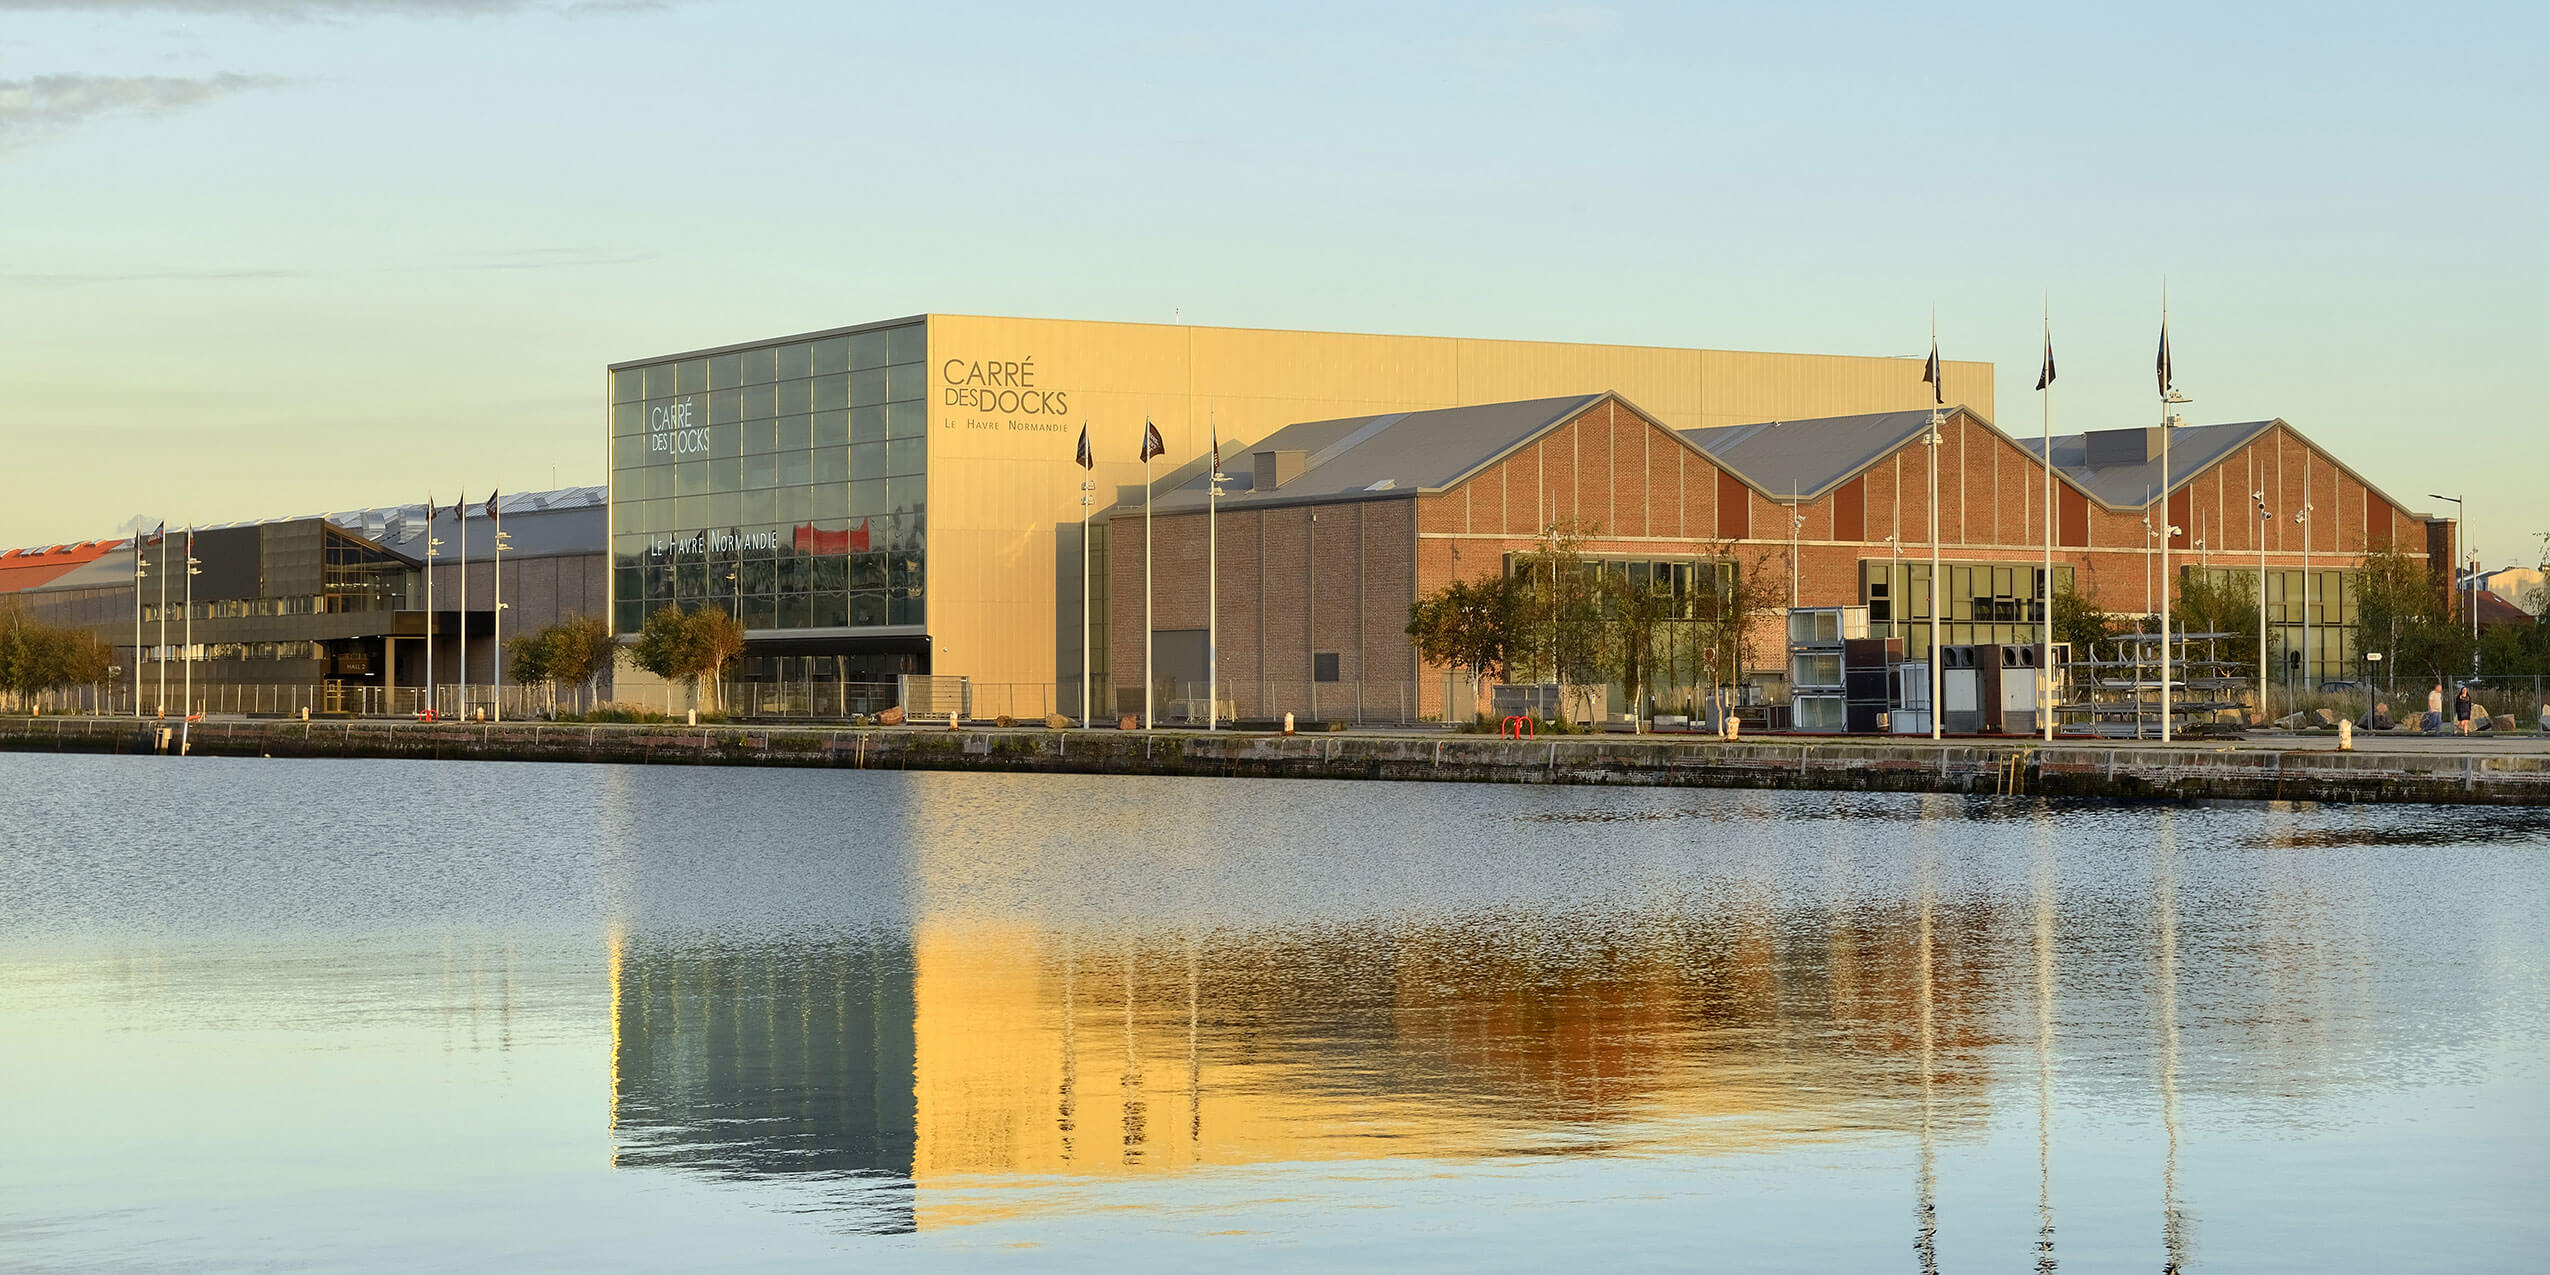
(538, 524)
(1365, 456)
(2193, 449)
(1808, 458)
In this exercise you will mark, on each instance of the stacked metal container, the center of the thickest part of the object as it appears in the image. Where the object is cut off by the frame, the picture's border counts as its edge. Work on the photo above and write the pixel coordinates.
(1819, 638)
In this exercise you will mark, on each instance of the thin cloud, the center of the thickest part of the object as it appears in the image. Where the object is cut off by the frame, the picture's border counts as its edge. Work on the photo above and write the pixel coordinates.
(307, 10)
(46, 104)
(524, 260)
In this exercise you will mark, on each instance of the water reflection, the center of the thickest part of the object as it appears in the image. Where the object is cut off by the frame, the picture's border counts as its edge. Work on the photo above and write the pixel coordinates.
(792, 1061)
(966, 1012)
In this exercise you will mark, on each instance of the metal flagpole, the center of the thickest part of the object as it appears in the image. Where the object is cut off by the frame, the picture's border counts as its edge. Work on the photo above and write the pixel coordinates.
(460, 518)
(163, 619)
(1152, 447)
(137, 624)
(1088, 488)
(430, 543)
(1937, 377)
(496, 560)
(189, 639)
(2169, 397)
(1213, 583)
(2045, 587)
(2265, 518)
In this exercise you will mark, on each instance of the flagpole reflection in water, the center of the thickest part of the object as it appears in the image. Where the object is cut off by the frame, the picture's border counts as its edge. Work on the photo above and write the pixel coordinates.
(2045, 1263)
(2165, 899)
(1926, 1220)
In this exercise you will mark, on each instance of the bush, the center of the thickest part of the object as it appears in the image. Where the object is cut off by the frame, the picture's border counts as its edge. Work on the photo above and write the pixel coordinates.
(625, 714)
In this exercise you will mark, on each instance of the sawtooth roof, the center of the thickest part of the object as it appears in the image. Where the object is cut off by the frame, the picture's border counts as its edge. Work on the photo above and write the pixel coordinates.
(1370, 457)
(2193, 449)
(1806, 459)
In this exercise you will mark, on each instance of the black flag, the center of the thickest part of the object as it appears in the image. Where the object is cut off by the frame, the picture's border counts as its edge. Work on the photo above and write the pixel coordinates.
(2161, 366)
(1151, 443)
(1930, 375)
(492, 517)
(2045, 376)
(1085, 460)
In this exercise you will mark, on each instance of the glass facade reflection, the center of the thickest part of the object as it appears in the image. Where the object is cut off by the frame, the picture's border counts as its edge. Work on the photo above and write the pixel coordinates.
(784, 482)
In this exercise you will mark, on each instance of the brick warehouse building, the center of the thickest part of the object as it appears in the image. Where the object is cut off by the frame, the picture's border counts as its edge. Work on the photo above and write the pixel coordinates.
(1330, 529)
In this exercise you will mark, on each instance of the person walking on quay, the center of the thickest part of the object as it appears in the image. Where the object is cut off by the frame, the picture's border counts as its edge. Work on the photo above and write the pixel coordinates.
(2434, 722)
(2461, 711)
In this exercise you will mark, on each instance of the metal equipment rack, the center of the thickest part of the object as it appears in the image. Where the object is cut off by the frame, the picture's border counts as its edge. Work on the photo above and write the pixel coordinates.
(2116, 693)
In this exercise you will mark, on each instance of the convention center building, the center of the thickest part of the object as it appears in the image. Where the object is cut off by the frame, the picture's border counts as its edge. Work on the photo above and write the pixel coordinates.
(903, 497)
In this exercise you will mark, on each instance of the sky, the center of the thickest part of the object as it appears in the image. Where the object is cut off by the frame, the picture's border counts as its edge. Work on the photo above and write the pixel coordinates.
(273, 257)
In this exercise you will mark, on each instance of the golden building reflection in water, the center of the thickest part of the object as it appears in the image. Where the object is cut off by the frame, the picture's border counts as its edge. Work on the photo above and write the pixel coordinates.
(987, 1054)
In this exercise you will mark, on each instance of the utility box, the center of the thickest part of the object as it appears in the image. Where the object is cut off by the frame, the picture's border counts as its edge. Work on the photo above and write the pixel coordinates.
(1960, 692)
(1911, 714)
(1868, 666)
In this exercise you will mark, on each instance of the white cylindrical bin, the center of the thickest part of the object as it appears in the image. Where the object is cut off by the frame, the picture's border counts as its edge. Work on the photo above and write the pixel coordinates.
(1288, 723)
(691, 718)
(951, 719)
(2346, 735)
(1735, 728)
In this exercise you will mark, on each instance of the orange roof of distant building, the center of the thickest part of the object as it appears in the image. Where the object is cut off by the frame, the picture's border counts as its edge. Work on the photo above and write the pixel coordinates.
(34, 568)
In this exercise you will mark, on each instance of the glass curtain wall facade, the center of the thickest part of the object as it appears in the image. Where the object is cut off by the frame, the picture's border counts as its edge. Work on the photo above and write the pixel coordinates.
(785, 483)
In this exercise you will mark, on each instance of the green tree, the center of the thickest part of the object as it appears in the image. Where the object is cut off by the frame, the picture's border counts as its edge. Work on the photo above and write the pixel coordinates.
(1730, 599)
(688, 643)
(2084, 625)
(571, 653)
(2219, 601)
(36, 657)
(1471, 624)
(2402, 610)
(1562, 629)
(1636, 615)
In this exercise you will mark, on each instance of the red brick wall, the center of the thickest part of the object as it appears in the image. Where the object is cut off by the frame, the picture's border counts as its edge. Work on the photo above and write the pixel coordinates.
(1340, 577)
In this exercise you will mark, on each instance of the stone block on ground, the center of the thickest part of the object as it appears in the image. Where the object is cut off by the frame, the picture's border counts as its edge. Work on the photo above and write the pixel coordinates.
(1128, 722)
(1056, 721)
(2502, 721)
(891, 717)
(2290, 721)
(2323, 717)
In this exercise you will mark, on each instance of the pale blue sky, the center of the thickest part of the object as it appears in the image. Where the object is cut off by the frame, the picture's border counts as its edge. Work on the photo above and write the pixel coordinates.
(277, 256)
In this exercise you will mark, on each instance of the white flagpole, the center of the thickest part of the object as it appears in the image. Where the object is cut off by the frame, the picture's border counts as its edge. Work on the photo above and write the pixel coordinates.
(2045, 657)
(163, 622)
(1213, 584)
(189, 639)
(430, 542)
(460, 516)
(1938, 396)
(496, 560)
(1086, 483)
(1146, 576)
(2167, 397)
(137, 624)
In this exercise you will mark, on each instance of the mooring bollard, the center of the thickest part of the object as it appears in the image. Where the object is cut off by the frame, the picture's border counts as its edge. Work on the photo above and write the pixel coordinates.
(305, 712)
(951, 720)
(690, 717)
(2346, 735)
(1288, 723)
(1735, 728)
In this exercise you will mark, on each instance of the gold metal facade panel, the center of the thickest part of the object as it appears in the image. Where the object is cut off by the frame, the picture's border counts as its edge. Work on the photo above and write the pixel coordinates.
(1004, 489)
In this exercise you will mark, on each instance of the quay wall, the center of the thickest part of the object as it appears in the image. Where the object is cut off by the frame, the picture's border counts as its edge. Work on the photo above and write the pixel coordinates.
(2122, 770)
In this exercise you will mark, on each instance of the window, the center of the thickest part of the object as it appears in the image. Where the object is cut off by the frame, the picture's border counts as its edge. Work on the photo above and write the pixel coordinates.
(1323, 666)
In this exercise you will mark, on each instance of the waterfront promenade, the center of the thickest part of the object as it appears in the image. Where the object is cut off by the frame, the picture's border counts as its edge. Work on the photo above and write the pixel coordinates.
(2484, 770)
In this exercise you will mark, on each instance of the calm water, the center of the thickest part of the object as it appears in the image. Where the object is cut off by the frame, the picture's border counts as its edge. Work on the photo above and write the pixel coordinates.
(495, 1017)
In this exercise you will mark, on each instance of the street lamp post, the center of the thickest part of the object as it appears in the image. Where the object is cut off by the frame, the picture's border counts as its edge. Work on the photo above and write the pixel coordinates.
(2302, 518)
(2265, 518)
(1932, 441)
